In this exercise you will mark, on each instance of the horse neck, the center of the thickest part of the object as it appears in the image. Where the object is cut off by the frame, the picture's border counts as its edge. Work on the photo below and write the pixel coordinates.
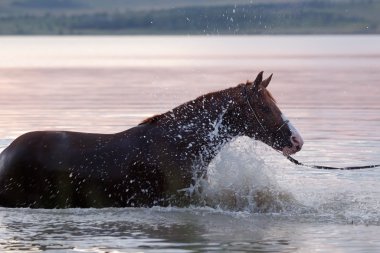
(205, 124)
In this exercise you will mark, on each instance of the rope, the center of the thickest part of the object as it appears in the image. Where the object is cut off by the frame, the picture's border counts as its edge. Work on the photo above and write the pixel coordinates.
(331, 168)
(294, 160)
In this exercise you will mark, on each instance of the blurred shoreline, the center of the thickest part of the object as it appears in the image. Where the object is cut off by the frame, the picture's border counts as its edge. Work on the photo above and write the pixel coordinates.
(80, 17)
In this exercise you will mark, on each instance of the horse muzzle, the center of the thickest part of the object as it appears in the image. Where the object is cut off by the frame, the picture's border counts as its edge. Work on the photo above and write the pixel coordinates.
(297, 143)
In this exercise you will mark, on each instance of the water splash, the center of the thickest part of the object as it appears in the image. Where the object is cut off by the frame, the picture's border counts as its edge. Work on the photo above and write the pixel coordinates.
(240, 179)
(249, 176)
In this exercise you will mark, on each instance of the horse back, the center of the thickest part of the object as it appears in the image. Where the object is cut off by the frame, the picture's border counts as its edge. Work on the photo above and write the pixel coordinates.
(68, 169)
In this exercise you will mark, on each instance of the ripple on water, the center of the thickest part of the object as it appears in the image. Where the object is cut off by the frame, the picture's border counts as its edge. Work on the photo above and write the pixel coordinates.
(257, 200)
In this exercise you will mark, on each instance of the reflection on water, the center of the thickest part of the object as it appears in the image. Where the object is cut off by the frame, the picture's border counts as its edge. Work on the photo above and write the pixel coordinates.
(176, 230)
(140, 229)
(327, 86)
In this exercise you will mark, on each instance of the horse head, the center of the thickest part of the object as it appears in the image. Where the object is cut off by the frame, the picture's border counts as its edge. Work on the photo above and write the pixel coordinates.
(268, 123)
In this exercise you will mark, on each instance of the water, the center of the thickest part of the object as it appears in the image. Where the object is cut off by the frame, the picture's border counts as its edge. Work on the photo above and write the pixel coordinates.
(328, 86)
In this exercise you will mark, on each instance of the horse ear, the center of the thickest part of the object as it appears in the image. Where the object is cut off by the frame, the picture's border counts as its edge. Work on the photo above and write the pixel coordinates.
(266, 82)
(258, 79)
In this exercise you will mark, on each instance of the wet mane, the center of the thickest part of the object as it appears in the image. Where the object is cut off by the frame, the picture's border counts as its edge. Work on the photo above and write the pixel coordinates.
(151, 119)
(157, 117)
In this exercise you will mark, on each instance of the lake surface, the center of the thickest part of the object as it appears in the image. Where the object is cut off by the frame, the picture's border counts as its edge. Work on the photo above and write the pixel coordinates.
(328, 86)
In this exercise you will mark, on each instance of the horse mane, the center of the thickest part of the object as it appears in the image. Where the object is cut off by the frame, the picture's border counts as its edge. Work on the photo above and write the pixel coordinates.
(157, 117)
(151, 119)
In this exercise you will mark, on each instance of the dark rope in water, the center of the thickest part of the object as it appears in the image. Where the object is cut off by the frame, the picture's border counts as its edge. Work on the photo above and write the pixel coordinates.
(331, 168)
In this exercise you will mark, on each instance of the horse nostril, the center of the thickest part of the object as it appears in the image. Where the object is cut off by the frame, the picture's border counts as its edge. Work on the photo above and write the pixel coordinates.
(296, 142)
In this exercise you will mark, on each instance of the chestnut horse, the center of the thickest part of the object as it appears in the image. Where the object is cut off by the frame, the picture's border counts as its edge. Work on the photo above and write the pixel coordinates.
(150, 164)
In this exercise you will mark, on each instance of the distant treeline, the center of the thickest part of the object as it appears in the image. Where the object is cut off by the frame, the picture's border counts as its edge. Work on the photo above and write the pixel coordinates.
(317, 17)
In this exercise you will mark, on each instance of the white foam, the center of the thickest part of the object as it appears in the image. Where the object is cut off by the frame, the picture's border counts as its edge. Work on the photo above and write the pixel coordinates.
(249, 176)
(240, 179)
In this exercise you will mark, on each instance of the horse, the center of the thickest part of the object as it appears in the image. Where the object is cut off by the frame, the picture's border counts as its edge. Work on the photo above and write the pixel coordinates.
(153, 163)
